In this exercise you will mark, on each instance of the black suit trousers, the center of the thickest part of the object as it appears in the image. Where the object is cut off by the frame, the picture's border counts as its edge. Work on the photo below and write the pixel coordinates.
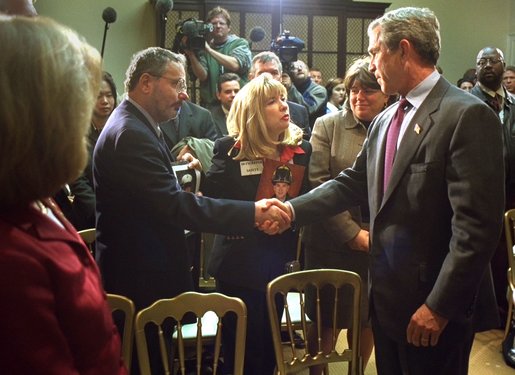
(449, 357)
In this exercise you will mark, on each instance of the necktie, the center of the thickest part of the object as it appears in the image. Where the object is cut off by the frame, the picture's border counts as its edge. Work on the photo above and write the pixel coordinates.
(494, 104)
(392, 138)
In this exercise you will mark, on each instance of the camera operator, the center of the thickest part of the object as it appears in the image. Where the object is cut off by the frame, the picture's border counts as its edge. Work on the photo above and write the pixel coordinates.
(304, 91)
(224, 53)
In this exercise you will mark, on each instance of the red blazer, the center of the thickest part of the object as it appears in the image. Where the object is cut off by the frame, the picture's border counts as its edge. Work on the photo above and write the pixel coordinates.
(54, 317)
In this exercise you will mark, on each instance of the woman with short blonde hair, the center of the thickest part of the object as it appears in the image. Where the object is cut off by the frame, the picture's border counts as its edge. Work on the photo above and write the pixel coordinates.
(246, 120)
(259, 128)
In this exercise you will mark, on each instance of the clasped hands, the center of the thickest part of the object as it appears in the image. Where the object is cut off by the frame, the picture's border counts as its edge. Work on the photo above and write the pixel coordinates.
(272, 216)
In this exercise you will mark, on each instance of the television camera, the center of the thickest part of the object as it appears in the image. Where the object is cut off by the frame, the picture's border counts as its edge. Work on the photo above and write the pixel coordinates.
(287, 47)
(190, 35)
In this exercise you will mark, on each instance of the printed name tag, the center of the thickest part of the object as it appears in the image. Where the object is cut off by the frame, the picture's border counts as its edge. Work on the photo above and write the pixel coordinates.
(251, 168)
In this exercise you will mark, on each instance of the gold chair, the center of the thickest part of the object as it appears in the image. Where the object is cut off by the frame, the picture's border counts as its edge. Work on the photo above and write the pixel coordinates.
(89, 236)
(291, 361)
(199, 304)
(509, 231)
(126, 306)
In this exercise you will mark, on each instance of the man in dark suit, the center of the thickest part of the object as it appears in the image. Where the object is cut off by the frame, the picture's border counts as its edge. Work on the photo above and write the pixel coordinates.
(228, 87)
(268, 62)
(191, 121)
(435, 221)
(490, 66)
(141, 210)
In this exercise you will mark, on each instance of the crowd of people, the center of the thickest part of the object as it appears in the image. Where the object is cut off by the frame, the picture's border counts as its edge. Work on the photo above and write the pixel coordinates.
(391, 172)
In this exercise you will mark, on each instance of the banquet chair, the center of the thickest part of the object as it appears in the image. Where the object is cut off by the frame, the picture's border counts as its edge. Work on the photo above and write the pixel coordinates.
(290, 360)
(126, 306)
(89, 236)
(176, 308)
(509, 232)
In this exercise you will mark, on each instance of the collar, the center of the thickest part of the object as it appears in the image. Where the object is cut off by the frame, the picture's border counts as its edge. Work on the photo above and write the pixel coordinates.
(226, 111)
(419, 93)
(490, 92)
(149, 118)
(287, 153)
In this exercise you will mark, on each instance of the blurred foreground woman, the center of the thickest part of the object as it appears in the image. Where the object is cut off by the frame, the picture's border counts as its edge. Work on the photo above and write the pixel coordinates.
(54, 318)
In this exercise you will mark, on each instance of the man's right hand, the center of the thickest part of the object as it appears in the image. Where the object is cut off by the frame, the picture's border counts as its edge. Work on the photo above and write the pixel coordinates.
(272, 216)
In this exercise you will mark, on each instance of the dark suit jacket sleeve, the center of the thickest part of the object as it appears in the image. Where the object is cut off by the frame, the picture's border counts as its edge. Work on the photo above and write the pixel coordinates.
(148, 180)
(347, 190)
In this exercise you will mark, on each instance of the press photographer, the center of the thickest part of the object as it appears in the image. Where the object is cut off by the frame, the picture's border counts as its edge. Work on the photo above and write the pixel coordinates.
(222, 52)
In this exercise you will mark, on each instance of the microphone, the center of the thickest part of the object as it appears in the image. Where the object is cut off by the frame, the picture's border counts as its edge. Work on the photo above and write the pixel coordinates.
(109, 16)
(257, 34)
(163, 6)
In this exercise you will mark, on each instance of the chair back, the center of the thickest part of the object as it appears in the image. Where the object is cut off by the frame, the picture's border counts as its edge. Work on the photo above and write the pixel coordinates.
(176, 308)
(126, 306)
(89, 236)
(509, 233)
(291, 360)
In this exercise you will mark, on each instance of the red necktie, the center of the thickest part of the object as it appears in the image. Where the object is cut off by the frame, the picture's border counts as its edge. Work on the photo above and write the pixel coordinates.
(392, 138)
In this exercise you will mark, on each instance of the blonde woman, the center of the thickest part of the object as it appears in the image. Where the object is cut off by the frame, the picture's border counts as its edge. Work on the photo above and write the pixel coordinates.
(54, 317)
(259, 127)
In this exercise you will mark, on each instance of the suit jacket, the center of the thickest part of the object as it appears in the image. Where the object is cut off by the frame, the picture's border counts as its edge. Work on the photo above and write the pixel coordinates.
(219, 119)
(508, 123)
(299, 116)
(142, 212)
(250, 260)
(54, 317)
(437, 225)
(194, 121)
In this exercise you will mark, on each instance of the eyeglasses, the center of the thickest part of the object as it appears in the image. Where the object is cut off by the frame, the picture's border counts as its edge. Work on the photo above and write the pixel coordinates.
(366, 92)
(178, 84)
(488, 60)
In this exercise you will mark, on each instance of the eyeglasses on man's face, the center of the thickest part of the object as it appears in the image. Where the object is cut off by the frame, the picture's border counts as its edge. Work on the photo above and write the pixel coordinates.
(179, 84)
(488, 60)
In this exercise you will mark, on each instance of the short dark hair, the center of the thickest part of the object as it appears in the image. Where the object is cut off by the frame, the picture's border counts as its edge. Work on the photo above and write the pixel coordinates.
(226, 77)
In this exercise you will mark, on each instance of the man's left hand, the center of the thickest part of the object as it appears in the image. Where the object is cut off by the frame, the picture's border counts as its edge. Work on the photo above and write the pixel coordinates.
(186, 154)
(425, 327)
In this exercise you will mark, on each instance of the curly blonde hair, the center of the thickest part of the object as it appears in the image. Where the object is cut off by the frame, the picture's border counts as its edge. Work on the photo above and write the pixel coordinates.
(246, 120)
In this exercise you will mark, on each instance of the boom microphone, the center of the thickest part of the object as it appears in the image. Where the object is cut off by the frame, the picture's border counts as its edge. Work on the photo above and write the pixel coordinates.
(163, 6)
(257, 34)
(109, 16)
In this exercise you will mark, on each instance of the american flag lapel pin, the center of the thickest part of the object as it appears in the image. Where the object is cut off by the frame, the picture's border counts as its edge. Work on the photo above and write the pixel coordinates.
(418, 129)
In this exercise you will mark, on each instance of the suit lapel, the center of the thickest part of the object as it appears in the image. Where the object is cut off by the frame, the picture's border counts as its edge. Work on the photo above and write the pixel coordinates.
(164, 150)
(415, 133)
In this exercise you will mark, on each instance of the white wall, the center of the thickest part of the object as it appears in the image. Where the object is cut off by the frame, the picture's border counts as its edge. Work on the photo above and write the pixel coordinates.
(467, 26)
(133, 30)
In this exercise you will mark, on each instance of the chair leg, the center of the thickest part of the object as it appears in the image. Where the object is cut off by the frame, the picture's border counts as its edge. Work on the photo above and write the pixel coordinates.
(508, 318)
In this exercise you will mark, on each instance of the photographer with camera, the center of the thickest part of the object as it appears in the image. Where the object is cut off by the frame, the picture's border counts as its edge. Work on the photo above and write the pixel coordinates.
(302, 90)
(223, 53)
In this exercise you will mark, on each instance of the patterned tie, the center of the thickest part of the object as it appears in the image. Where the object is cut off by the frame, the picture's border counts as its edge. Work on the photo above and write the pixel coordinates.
(494, 103)
(392, 138)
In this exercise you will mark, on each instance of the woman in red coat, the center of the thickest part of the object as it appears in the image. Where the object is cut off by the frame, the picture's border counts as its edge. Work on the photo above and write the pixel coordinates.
(54, 318)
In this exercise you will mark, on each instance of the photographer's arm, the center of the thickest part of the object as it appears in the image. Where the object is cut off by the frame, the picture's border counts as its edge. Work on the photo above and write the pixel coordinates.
(196, 66)
(227, 61)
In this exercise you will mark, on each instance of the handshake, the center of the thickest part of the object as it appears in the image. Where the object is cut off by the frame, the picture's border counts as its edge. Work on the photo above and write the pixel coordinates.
(272, 216)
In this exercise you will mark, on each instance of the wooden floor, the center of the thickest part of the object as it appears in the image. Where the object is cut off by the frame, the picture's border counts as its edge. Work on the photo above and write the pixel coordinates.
(485, 359)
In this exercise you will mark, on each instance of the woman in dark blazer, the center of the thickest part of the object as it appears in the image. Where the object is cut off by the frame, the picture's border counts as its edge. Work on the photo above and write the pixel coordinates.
(260, 128)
